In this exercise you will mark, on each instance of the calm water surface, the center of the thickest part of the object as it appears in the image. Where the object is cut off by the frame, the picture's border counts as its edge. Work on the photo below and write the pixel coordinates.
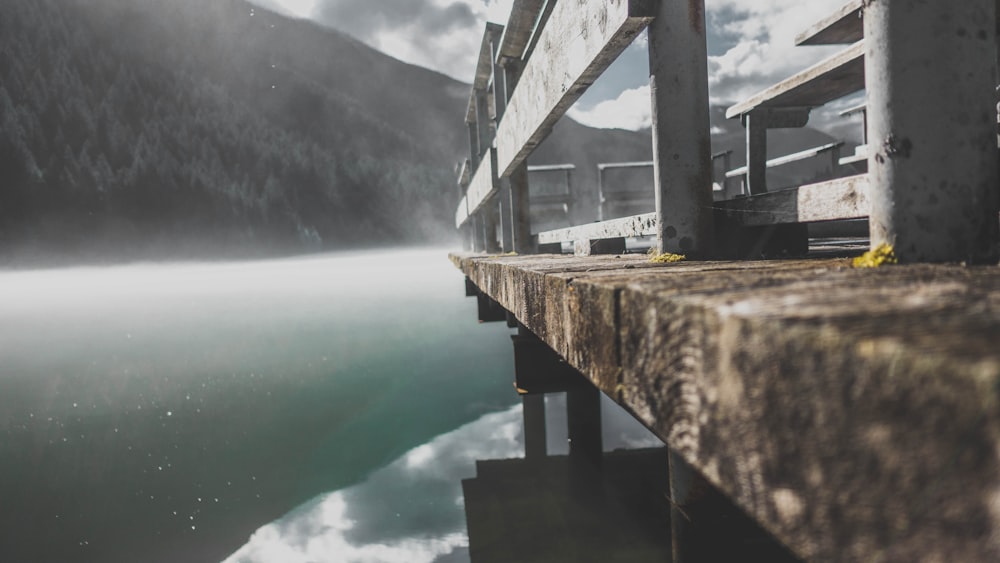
(166, 412)
(299, 410)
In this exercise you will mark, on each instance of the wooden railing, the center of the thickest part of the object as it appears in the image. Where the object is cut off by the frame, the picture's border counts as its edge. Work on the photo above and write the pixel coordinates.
(927, 128)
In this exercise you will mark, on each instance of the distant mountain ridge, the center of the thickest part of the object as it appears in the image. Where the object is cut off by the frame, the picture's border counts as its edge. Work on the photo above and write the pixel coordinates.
(138, 128)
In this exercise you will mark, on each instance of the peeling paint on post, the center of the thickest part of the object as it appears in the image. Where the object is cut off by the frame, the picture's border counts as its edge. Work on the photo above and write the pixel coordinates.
(682, 147)
(933, 164)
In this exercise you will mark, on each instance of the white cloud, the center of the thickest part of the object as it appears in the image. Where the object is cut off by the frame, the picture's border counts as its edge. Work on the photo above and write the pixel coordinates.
(755, 41)
(630, 110)
(763, 49)
(413, 511)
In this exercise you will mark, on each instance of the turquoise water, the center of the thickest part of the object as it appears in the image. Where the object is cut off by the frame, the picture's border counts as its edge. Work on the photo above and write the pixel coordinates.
(169, 412)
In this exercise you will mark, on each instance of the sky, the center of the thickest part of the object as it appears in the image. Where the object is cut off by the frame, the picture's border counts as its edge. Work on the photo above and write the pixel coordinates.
(751, 45)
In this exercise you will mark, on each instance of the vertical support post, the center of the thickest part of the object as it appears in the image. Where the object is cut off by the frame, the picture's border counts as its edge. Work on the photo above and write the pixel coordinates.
(475, 155)
(506, 218)
(930, 72)
(756, 124)
(682, 145)
(518, 180)
(521, 209)
(574, 201)
(600, 193)
(499, 108)
(583, 415)
(730, 187)
(535, 445)
(491, 221)
(478, 240)
(483, 122)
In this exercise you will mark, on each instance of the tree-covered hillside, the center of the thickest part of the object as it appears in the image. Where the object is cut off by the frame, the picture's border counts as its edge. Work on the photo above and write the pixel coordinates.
(143, 128)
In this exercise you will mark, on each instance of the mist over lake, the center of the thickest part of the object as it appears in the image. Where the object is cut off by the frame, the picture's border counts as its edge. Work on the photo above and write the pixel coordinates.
(165, 412)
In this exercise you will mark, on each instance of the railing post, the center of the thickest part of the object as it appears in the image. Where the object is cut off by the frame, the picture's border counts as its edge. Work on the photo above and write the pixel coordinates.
(478, 236)
(516, 185)
(930, 73)
(682, 146)
(600, 193)
(475, 155)
(499, 107)
(483, 122)
(756, 124)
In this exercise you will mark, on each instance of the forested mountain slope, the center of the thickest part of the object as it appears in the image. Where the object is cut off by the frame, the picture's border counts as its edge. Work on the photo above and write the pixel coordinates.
(144, 128)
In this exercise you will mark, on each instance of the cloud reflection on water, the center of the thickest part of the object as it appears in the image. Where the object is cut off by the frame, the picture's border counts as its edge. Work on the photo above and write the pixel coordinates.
(412, 511)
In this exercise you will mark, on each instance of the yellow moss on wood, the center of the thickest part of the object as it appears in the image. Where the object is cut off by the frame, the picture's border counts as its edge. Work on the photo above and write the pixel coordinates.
(665, 258)
(878, 256)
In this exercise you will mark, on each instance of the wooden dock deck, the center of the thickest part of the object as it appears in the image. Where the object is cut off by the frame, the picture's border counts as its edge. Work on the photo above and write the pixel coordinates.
(855, 414)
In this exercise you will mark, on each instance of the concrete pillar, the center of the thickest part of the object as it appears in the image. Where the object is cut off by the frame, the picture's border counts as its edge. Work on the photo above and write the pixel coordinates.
(930, 73)
(682, 146)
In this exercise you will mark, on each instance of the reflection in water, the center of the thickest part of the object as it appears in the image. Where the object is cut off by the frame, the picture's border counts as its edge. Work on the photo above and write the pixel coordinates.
(414, 510)
(165, 412)
(588, 505)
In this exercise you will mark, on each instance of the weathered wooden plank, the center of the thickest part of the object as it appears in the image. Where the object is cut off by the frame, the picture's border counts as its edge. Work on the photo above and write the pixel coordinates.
(860, 155)
(462, 213)
(551, 167)
(517, 32)
(484, 184)
(846, 25)
(835, 77)
(484, 67)
(614, 165)
(464, 173)
(788, 158)
(843, 26)
(843, 198)
(635, 226)
(580, 40)
(851, 412)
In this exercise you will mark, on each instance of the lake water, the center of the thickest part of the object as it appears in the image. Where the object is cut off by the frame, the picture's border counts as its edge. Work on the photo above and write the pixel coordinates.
(312, 409)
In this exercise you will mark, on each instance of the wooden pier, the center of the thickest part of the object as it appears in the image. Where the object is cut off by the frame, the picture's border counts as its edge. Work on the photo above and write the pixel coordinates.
(854, 414)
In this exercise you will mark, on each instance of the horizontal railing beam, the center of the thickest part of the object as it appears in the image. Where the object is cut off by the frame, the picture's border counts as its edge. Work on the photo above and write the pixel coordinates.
(625, 227)
(835, 77)
(788, 159)
(613, 165)
(483, 185)
(551, 167)
(462, 213)
(579, 41)
(843, 198)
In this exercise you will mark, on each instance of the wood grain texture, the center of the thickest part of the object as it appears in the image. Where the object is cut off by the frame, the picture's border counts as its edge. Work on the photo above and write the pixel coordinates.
(484, 183)
(638, 225)
(843, 26)
(852, 413)
(835, 77)
(843, 198)
(517, 32)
